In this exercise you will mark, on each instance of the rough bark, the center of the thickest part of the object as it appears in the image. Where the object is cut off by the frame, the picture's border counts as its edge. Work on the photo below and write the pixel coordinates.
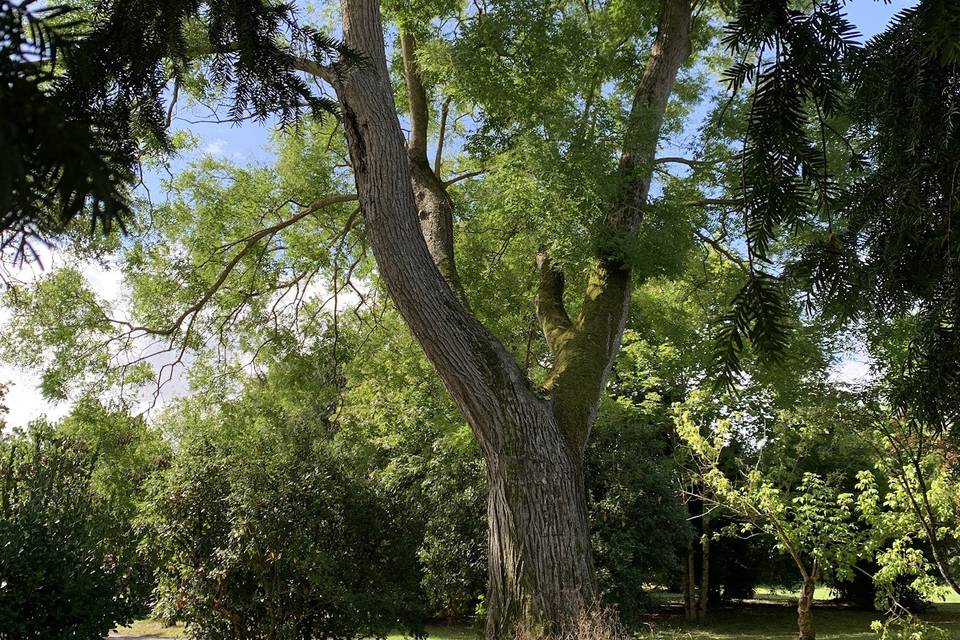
(541, 567)
(583, 363)
(541, 572)
(434, 205)
(805, 609)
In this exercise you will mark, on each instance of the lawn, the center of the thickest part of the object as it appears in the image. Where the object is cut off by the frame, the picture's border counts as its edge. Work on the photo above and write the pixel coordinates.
(148, 629)
(154, 629)
(771, 616)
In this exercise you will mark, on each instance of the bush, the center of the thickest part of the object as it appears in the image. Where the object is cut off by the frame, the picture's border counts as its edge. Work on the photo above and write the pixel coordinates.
(453, 552)
(861, 592)
(68, 559)
(263, 534)
(638, 523)
(907, 628)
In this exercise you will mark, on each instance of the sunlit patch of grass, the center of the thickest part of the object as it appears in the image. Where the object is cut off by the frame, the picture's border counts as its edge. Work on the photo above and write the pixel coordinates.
(446, 632)
(771, 616)
(148, 629)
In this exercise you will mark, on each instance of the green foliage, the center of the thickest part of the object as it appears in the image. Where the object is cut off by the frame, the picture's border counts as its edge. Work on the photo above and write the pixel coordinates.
(911, 503)
(897, 254)
(908, 628)
(399, 423)
(119, 73)
(262, 531)
(69, 564)
(759, 314)
(807, 516)
(795, 61)
(453, 553)
(62, 314)
(55, 163)
(638, 524)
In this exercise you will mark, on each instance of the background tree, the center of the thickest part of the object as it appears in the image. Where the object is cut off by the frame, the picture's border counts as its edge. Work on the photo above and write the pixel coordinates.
(810, 519)
(261, 531)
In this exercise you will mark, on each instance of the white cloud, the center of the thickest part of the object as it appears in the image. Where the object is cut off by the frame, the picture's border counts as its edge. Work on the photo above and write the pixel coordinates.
(23, 399)
(215, 147)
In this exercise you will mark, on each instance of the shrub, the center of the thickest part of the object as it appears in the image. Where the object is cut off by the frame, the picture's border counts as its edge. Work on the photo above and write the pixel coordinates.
(263, 534)
(68, 560)
(638, 523)
(453, 553)
(907, 628)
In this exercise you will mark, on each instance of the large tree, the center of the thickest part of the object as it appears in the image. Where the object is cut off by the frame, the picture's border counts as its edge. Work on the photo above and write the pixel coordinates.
(601, 130)
(533, 436)
(533, 441)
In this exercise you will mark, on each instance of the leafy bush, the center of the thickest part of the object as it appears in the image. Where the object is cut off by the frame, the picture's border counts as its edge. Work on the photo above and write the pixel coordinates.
(453, 552)
(68, 558)
(400, 424)
(907, 628)
(263, 533)
(638, 523)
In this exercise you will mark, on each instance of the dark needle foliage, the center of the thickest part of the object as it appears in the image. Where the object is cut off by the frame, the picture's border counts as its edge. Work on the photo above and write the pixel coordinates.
(54, 163)
(794, 60)
(883, 242)
(898, 252)
(81, 110)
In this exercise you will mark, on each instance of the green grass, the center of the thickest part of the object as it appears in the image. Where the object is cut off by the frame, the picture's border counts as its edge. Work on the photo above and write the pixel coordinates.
(446, 632)
(772, 616)
(149, 629)
(154, 629)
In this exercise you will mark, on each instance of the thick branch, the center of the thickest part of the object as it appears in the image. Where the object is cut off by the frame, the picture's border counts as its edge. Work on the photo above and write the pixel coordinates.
(441, 136)
(434, 205)
(317, 70)
(416, 98)
(581, 369)
(686, 161)
(551, 312)
(715, 202)
(463, 176)
(722, 250)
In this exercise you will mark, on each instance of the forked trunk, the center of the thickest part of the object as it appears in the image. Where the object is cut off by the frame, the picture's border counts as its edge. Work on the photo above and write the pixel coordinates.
(541, 566)
(805, 610)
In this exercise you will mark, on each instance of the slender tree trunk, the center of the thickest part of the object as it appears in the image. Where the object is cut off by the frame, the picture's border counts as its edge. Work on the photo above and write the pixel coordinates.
(689, 583)
(805, 609)
(541, 565)
(704, 598)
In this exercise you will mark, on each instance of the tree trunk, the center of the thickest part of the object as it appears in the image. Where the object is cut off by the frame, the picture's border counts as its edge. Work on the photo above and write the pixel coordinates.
(704, 569)
(541, 568)
(805, 609)
(541, 565)
(689, 582)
